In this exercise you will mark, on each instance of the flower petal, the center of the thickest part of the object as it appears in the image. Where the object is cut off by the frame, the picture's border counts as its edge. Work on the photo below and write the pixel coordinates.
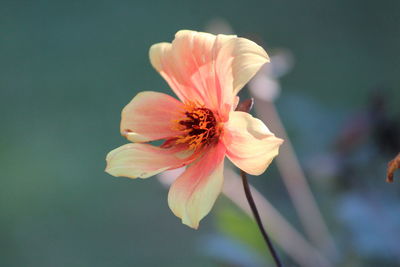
(193, 194)
(188, 65)
(149, 117)
(249, 143)
(144, 160)
(245, 59)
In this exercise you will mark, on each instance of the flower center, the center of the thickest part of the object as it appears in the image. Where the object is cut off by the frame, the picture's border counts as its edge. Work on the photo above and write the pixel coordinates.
(199, 126)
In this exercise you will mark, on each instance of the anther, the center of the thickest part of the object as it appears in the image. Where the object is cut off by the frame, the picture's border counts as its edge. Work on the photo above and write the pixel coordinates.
(198, 127)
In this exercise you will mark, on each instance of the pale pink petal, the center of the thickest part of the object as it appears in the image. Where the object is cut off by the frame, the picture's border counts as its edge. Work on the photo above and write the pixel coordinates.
(144, 160)
(149, 116)
(207, 68)
(188, 65)
(249, 143)
(193, 194)
(238, 61)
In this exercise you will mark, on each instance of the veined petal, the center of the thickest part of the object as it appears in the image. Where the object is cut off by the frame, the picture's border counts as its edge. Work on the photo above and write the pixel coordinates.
(193, 194)
(144, 160)
(245, 59)
(249, 143)
(149, 117)
(188, 65)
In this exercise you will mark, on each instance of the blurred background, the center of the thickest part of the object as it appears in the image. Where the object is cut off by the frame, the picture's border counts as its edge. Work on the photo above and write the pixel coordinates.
(69, 67)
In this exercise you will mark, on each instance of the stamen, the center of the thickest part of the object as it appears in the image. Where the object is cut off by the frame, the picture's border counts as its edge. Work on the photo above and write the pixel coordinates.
(198, 127)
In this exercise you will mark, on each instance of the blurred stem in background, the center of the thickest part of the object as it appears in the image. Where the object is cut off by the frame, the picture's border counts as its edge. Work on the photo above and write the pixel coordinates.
(290, 169)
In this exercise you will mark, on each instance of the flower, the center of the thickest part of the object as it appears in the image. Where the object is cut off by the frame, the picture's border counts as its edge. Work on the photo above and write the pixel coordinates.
(206, 72)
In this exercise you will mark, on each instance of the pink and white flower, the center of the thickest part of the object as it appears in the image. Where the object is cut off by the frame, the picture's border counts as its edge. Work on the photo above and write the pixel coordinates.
(206, 72)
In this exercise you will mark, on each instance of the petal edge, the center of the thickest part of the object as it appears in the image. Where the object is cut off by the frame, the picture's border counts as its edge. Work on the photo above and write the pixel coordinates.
(250, 145)
(143, 160)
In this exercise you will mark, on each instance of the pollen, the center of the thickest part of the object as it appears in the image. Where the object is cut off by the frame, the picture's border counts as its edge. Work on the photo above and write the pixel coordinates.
(197, 125)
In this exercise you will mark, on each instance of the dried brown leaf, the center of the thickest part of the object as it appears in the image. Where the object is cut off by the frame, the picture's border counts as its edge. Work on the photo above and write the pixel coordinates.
(393, 165)
(246, 105)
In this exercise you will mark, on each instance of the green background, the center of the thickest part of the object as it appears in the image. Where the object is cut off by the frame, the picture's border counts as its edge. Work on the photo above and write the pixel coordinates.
(67, 68)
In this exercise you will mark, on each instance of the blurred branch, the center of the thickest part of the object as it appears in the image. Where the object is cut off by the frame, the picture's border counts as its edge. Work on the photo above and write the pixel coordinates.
(289, 166)
(296, 183)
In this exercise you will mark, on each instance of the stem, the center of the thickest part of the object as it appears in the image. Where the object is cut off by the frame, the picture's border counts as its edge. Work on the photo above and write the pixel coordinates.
(245, 106)
(258, 219)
